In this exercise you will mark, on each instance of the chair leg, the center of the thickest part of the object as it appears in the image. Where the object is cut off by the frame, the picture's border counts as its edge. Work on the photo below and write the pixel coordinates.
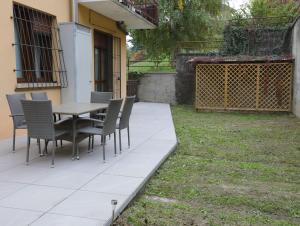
(39, 145)
(61, 143)
(89, 145)
(53, 153)
(103, 146)
(28, 147)
(46, 147)
(128, 134)
(14, 140)
(77, 150)
(93, 141)
(120, 141)
(115, 144)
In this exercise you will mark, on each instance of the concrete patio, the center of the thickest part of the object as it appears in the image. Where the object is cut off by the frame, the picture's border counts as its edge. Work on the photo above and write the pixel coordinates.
(79, 193)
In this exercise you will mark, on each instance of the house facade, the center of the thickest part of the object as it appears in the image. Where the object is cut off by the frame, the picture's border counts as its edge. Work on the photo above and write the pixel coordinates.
(58, 46)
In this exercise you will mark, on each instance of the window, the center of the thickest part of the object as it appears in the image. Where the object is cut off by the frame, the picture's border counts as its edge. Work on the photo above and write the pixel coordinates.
(39, 58)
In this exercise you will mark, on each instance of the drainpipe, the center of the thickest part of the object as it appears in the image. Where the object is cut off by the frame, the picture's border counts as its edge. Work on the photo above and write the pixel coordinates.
(75, 11)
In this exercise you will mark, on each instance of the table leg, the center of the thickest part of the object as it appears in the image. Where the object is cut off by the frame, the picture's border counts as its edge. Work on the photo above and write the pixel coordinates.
(74, 137)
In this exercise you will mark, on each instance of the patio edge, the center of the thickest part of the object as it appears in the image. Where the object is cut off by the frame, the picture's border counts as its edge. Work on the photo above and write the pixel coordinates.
(141, 186)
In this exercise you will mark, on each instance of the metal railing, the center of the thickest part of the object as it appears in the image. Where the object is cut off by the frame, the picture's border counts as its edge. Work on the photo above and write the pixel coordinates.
(257, 22)
(202, 47)
(258, 36)
(39, 56)
(150, 65)
(146, 8)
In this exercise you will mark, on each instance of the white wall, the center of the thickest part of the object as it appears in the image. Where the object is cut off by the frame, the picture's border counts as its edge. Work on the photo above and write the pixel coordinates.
(157, 87)
(296, 55)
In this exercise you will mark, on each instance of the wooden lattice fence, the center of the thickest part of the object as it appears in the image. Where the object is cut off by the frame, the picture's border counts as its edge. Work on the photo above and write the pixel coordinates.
(244, 86)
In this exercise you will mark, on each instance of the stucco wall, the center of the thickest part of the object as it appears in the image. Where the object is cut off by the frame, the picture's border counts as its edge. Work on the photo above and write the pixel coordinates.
(185, 80)
(296, 54)
(62, 10)
(59, 8)
(98, 22)
(157, 87)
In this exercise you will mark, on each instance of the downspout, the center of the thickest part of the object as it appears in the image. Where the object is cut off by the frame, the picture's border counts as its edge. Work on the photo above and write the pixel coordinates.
(75, 11)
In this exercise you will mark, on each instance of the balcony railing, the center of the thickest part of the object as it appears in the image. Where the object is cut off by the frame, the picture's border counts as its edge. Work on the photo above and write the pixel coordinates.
(146, 8)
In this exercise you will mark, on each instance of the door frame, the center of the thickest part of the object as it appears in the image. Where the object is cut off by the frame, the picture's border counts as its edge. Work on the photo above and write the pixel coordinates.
(109, 37)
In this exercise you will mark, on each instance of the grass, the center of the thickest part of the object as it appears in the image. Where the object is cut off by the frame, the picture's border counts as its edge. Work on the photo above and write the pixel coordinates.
(229, 169)
(148, 67)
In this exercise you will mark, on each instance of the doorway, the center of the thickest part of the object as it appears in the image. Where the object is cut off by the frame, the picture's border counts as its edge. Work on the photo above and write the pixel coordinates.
(103, 58)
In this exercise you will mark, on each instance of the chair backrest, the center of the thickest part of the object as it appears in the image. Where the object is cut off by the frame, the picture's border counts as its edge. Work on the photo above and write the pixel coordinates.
(101, 97)
(14, 102)
(38, 116)
(39, 96)
(110, 121)
(126, 112)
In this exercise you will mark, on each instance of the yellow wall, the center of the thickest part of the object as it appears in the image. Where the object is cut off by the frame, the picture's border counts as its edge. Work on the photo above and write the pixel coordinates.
(62, 10)
(59, 8)
(96, 21)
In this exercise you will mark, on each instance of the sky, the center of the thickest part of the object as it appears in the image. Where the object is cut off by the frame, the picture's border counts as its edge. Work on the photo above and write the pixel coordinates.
(236, 4)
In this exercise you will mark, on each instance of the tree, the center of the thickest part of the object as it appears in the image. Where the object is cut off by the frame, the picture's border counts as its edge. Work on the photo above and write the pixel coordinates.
(273, 8)
(179, 20)
(277, 10)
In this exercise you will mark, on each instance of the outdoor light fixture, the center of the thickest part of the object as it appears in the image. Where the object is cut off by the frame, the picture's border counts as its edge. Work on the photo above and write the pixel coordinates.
(114, 205)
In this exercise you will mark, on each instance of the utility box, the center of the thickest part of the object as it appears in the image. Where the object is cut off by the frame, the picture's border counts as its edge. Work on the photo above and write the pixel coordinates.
(76, 41)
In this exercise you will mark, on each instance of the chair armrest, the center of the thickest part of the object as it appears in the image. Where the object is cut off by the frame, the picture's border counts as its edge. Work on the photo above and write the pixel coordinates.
(16, 115)
(61, 121)
(104, 114)
(90, 119)
(101, 114)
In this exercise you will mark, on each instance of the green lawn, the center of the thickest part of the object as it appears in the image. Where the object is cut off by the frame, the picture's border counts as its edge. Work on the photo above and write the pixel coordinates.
(146, 67)
(229, 169)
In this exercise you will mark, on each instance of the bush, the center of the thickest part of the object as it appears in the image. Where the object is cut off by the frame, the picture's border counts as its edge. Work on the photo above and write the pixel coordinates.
(134, 75)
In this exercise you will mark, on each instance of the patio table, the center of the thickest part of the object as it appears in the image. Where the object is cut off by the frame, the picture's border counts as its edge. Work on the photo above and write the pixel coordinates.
(77, 109)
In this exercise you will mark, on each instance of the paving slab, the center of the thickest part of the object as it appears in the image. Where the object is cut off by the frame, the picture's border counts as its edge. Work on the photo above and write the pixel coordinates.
(110, 184)
(17, 217)
(92, 205)
(58, 220)
(79, 192)
(35, 198)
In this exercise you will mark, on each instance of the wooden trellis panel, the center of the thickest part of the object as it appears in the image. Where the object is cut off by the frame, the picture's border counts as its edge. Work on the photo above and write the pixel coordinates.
(253, 86)
(241, 86)
(209, 91)
(275, 87)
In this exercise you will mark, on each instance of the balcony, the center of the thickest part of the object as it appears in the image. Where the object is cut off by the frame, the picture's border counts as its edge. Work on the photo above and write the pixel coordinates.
(135, 14)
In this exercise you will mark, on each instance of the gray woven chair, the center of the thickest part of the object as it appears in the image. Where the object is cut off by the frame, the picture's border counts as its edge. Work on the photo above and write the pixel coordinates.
(17, 114)
(44, 96)
(109, 124)
(40, 124)
(101, 97)
(124, 119)
(39, 96)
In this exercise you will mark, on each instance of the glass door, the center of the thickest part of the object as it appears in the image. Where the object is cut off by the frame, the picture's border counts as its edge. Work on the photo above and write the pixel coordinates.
(103, 62)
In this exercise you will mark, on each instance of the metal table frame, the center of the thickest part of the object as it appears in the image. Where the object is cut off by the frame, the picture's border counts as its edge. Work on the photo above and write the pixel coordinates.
(77, 109)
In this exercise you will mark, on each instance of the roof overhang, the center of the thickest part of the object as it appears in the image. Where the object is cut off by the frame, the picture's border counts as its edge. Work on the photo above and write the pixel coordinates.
(117, 11)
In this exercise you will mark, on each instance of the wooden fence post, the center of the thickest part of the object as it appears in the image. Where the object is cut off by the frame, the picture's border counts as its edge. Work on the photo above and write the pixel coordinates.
(226, 87)
(257, 85)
